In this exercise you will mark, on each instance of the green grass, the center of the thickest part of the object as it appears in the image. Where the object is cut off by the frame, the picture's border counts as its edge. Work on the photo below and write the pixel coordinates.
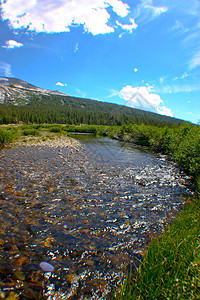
(171, 266)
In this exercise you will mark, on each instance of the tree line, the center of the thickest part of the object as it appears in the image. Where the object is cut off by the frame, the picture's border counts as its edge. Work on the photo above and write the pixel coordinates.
(51, 109)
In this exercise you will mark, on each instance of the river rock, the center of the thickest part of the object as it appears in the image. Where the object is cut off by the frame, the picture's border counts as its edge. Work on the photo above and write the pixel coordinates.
(46, 267)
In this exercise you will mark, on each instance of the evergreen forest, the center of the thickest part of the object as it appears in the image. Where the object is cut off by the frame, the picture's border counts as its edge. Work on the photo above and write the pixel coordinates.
(53, 109)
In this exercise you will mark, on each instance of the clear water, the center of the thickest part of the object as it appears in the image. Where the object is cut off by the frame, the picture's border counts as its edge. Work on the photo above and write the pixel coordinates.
(89, 212)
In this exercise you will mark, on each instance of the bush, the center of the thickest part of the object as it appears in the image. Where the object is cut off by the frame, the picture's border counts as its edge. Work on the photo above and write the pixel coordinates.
(32, 132)
(187, 154)
(56, 129)
(5, 137)
(37, 126)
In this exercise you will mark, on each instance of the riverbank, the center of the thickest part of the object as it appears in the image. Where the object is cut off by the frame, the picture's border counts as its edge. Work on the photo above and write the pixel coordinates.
(26, 136)
(51, 141)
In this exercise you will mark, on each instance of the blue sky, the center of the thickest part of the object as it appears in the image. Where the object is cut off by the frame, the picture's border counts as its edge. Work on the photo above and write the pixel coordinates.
(140, 53)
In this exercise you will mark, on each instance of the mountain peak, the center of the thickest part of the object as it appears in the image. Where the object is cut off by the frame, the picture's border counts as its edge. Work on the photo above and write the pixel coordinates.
(17, 91)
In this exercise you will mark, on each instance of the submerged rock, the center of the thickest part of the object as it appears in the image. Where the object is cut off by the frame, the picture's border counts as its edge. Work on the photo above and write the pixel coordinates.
(46, 267)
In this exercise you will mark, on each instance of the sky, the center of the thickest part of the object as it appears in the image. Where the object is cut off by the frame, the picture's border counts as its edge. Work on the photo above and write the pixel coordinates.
(140, 53)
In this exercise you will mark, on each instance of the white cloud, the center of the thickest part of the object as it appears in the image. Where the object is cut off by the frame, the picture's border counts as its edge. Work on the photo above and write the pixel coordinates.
(128, 27)
(11, 44)
(61, 84)
(57, 16)
(119, 7)
(142, 98)
(6, 69)
(121, 34)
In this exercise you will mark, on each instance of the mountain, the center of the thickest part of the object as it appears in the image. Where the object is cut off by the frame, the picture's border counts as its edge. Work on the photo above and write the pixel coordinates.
(17, 91)
(21, 101)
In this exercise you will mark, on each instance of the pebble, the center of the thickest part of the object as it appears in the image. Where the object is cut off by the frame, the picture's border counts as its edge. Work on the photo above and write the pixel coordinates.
(46, 267)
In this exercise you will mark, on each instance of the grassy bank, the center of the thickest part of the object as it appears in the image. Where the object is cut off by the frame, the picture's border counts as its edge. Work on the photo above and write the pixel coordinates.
(171, 266)
(14, 133)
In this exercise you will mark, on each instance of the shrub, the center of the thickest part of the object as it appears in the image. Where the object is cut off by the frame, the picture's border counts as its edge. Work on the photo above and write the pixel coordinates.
(56, 129)
(30, 131)
(5, 137)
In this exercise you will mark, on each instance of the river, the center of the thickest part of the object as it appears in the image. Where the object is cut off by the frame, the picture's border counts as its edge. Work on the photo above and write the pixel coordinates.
(89, 212)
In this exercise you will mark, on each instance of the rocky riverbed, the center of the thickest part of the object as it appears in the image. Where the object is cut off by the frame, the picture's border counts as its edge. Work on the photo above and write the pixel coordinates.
(81, 209)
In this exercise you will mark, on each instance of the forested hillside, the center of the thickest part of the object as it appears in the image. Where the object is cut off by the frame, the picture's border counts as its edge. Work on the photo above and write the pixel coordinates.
(71, 110)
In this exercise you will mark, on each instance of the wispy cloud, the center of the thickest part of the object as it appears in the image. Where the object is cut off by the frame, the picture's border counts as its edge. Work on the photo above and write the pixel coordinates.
(179, 28)
(114, 93)
(80, 93)
(187, 27)
(146, 12)
(194, 61)
(61, 84)
(156, 11)
(76, 48)
(58, 16)
(178, 88)
(182, 76)
(142, 98)
(11, 44)
(185, 75)
(5, 68)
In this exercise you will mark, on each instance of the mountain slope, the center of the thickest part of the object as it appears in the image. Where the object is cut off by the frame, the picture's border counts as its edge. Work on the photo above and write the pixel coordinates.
(24, 102)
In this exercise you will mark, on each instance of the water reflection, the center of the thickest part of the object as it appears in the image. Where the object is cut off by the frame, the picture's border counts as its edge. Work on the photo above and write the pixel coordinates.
(89, 212)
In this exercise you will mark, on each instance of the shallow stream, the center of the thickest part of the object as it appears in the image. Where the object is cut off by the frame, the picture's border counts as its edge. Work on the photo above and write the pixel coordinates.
(89, 212)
